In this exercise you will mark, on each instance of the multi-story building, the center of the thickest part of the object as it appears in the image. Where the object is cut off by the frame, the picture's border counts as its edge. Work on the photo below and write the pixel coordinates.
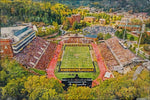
(102, 21)
(5, 48)
(126, 23)
(15, 38)
(89, 19)
(74, 18)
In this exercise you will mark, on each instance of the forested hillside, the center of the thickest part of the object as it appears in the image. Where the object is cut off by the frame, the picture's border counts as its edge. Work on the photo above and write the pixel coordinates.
(18, 84)
(48, 11)
(135, 5)
(28, 11)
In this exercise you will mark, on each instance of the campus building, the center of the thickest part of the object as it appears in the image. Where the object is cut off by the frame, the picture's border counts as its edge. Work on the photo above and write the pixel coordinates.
(126, 23)
(74, 18)
(14, 39)
(5, 48)
(89, 19)
(102, 21)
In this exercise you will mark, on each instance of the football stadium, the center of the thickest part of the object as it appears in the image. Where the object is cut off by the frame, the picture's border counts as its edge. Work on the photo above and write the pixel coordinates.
(74, 49)
(73, 55)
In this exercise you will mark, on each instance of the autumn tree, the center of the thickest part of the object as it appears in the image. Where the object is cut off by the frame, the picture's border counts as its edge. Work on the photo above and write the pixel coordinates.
(100, 36)
(131, 38)
(55, 24)
(14, 89)
(79, 93)
(75, 25)
(107, 36)
(10, 70)
(66, 24)
(39, 87)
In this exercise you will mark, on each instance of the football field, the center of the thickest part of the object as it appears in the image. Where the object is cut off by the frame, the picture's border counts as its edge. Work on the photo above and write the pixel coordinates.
(76, 57)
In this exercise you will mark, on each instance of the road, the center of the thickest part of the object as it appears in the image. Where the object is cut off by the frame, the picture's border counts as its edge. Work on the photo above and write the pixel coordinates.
(63, 31)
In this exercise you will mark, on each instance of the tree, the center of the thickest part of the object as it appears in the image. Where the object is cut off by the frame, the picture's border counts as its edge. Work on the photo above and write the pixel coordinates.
(147, 47)
(40, 87)
(34, 82)
(117, 33)
(14, 88)
(43, 94)
(78, 93)
(3, 77)
(110, 10)
(131, 38)
(83, 23)
(127, 93)
(11, 70)
(123, 87)
(66, 25)
(107, 36)
(145, 39)
(100, 36)
(55, 24)
(120, 34)
(75, 25)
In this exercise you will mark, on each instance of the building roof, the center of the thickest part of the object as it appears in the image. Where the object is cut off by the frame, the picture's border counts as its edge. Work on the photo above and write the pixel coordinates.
(20, 31)
(89, 17)
(15, 33)
(5, 48)
(8, 32)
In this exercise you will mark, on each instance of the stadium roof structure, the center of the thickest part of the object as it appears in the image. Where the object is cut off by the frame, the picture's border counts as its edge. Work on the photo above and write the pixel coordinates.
(8, 32)
(15, 33)
(20, 31)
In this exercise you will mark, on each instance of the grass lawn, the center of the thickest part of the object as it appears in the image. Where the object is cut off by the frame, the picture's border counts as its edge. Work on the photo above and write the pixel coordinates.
(147, 28)
(129, 35)
(41, 72)
(92, 75)
(77, 57)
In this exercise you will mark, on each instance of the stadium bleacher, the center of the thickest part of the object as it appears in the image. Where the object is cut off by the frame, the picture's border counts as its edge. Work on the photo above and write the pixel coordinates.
(108, 56)
(46, 57)
(36, 54)
(77, 40)
(124, 56)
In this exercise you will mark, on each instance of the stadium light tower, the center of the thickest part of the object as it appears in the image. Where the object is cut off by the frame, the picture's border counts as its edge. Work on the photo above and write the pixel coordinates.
(126, 23)
(142, 31)
(0, 22)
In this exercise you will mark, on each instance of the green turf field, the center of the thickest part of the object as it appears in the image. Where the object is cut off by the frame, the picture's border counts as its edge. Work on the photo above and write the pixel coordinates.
(76, 57)
(92, 75)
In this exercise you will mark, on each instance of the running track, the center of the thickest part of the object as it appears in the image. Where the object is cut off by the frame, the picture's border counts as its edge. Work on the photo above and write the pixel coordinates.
(53, 62)
(101, 65)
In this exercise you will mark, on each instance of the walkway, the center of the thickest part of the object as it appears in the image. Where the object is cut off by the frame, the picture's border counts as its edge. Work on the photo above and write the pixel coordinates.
(49, 36)
(101, 65)
(53, 63)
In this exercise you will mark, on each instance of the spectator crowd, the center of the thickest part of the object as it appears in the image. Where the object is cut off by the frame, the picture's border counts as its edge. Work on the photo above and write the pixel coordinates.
(36, 54)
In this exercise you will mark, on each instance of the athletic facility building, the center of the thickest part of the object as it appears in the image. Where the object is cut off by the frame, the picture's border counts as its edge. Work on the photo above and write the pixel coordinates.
(19, 37)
